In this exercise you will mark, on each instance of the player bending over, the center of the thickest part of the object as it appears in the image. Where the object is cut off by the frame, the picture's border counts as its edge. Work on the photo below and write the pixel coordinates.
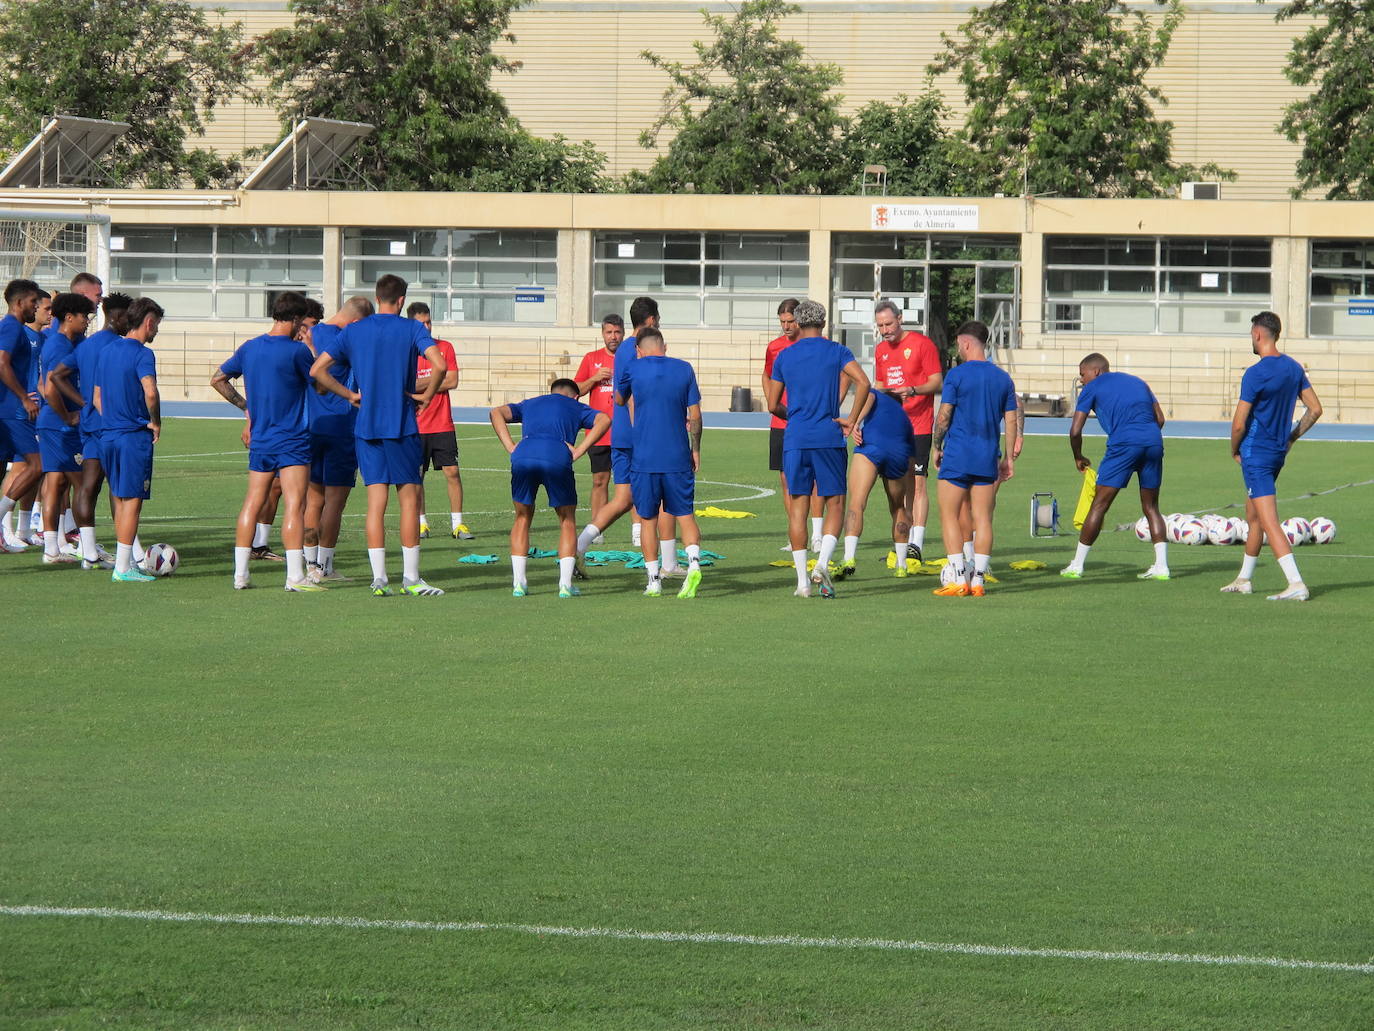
(884, 448)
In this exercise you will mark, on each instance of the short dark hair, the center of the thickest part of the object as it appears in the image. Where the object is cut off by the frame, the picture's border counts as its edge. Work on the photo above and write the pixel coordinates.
(565, 384)
(642, 309)
(289, 306)
(788, 306)
(886, 305)
(141, 309)
(43, 295)
(115, 302)
(1269, 322)
(86, 279)
(1095, 360)
(416, 308)
(613, 320)
(973, 328)
(314, 309)
(18, 288)
(649, 334)
(391, 289)
(71, 304)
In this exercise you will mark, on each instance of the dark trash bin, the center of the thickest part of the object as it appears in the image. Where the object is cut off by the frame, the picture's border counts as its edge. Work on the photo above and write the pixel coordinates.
(741, 400)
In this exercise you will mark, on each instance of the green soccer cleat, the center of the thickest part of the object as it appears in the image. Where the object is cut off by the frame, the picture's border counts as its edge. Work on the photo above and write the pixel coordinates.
(569, 591)
(424, 531)
(654, 589)
(381, 589)
(1071, 573)
(519, 591)
(900, 571)
(690, 585)
(133, 576)
(1154, 573)
(303, 587)
(420, 589)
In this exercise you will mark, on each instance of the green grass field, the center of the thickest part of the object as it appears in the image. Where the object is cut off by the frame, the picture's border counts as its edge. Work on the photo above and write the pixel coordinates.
(1107, 765)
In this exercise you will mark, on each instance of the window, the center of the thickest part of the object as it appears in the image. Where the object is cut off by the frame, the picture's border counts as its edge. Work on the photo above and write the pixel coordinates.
(227, 272)
(1342, 294)
(1148, 284)
(48, 252)
(464, 275)
(700, 279)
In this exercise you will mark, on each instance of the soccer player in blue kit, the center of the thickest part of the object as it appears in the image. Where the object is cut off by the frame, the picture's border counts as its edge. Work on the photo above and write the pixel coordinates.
(59, 438)
(884, 447)
(977, 400)
(1127, 410)
(816, 373)
(544, 458)
(276, 373)
(665, 417)
(382, 350)
(93, 556)
(1262, 432)
(18, 404)
(131, 422)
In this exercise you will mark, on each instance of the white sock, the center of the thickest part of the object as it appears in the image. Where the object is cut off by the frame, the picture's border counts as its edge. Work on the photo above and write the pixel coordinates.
(455, 519)
(1289, 565)
(410, 564)
(851, 549)
(6, 506)
(1081, 555)
(139, 553)
(917, 536)
(589, 533)
(816, 523)
(424, 519)
(799, 561)
(1247, 567)
(565, 570)
(1162, 555)
(240, 562)
(827, 550)
(124, 557)
(968, 553)
(261, 532)
(25, 522)
(955, 563)
(326, 559)
(312, 554)
(88, 548)
(980, 564)
(635, 534)
(667, 553)
(50, 542)
(694, 556)
(295, 565)
(7, 521)
(900, 549)
(651, 567)
(377, 558)
(517, 570)
(68, 521)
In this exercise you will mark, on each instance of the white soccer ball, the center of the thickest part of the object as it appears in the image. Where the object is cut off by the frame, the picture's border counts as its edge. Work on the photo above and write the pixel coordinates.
(1191, 531)
(1242, 527)
(1323, 530)
(1303, 527)
(1142, 529)
(161, 560)
(1222, 531)
(1294, 530)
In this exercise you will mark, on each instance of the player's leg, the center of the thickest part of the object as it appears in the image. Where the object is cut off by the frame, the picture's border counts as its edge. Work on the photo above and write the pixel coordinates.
(83, 506)
(331, 523)
(265, 517)
(453, 482)
(520, 547)
(966, 529)
(26, 471)
(647, 489)
(918, 505)
(983, 499)
(831, 467)
(1267, 510)
(1092, 528)
(862, 475)
(775, 434)
(295, 482)
(560, 486)
(128, 461)
(314, 506)
(254, 498)
(817, 520)
(51, 494)
(952, 498)
(800, 476)
(1149, 470)
(621, 501)
(898, 490)
(665, 532)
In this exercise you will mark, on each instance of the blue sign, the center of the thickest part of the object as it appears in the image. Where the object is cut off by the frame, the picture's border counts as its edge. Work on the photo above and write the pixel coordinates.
(537, 297)
(1359, 306)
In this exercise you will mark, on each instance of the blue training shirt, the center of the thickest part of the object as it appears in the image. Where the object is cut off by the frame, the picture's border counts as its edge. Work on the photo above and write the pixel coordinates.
(331, 415)
(14, 338)
(625, 357)
(119, 374)
(888, 428)
(1125, 409)
(663, 389)
(982, 395)
(550, 424)
(87, 357)
(56, 350)
(810, 370)
(382, 350)
(1271, 386)
(276, 376)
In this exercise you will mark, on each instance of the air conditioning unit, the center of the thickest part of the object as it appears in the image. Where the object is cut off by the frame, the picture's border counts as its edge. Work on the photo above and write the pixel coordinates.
(1202, 191)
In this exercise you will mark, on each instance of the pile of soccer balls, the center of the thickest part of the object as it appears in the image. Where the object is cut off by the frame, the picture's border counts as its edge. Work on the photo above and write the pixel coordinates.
(1181, 528)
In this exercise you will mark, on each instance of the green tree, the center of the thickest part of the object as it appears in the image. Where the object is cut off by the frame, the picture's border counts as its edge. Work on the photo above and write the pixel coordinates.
(1335, 124)
(909, 137)
(751, 115)
(157, 64)
(1058, 101)
(421, 72)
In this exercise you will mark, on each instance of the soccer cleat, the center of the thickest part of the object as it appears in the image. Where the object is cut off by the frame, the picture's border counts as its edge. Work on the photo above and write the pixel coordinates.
(914, 551)
(13, 545)
(1239, 585)
(956, 589)
(815, 543)
(265, 553)
(381, 589)
(975, 587)
(98, 563)
(900, 571)
(303, 587)
(820, 577)
(1295, 592)
(420, 589)
(333, 576)
(462, 533)
(675, 572)
(424, 531)
(242, 583)
(599, 540)
(60, 559)
(568, 591)
(34, 539)
(72, 536)
(802, 592)
(1154, 573)
(580, 569)
(847, 570)
(654, 588)
(519, 591)
(103, 555)
(1071, 573)
(315, 573)
(133, 576)
(690, 585)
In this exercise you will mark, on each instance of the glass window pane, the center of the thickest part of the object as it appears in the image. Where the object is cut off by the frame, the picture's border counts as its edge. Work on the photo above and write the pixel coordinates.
(1343, 254)
(1338, 286)
(854, 278)
(362, 275)
(398, 243)
(1067, 282)
(975, 248)
(130, 272)
(268, 240)
(757, 246)
(1076, 250)
(165, 239)
(1122, 282)
(682, 247)
(181, 304)
(298, 272)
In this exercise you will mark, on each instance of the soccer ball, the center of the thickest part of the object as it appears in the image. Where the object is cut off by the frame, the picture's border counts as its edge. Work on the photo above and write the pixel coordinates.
(1190, 531)
(1222, 531)
(1142, 529)
(161, 560)
(1294, 530)
(1303, 527)
(1323, 530)
(1242, 530)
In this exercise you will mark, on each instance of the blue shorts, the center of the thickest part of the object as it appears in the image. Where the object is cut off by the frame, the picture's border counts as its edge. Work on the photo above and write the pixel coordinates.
(1260, 470)
(822, 468)
(275, 459)
(90, 445)
(390, 460)
(1121, 460)
(22, 438)
(128, 461)
(557, 478)
(890, 466)
(966, 480)
(620, 464)
(58, 449)
(333, 461)
(675, 493)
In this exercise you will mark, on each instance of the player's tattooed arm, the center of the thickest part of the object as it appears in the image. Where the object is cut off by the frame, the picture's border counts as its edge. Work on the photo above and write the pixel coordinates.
(937, 436)
(1310, 416)
(228, 391)
(694, 427)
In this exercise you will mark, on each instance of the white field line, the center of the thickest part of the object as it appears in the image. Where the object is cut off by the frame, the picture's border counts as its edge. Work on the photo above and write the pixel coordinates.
(689, 937)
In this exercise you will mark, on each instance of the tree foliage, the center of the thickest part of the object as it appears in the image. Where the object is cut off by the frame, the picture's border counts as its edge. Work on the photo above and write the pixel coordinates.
(751, 115)
(421, 72)
(1335, 123)
(1058, 101)
(909, 138)
(156, 64)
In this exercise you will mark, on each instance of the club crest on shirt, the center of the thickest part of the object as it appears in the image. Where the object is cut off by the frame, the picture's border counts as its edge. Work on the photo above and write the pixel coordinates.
(906, 353)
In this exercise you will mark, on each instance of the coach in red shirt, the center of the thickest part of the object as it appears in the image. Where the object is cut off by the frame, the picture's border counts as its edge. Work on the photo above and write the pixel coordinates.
(437, 435)
(594, 378)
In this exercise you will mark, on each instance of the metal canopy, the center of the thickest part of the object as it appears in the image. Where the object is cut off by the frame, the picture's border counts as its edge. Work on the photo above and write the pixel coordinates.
(310, 157)
(67, 152)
